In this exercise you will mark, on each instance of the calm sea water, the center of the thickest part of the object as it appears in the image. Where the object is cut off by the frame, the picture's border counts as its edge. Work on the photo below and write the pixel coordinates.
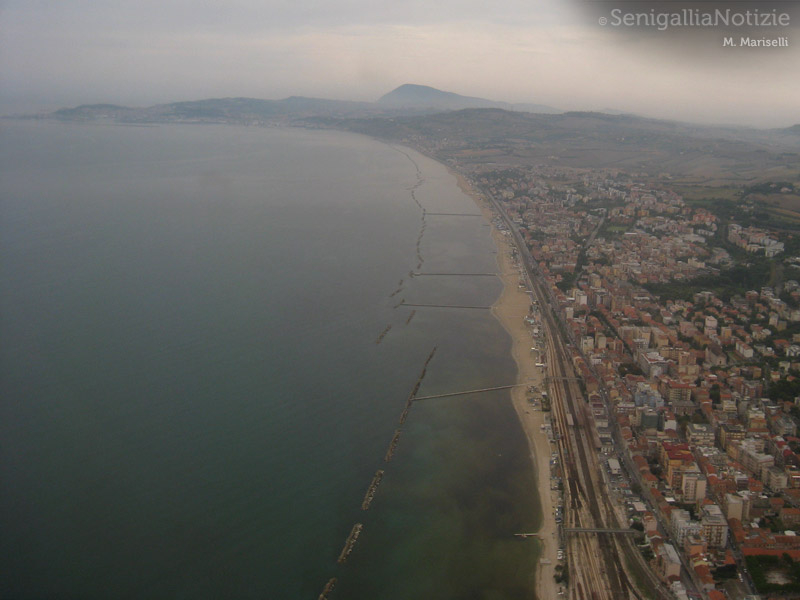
(192, 400)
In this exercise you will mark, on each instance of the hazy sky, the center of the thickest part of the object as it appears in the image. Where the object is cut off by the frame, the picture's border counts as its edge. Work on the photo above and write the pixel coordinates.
(142, 52)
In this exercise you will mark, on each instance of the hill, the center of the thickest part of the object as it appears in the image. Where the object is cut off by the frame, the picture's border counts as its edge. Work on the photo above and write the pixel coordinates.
(490, 132)
(474, 137)
(423, 97)
(406, 100)
(222, 110)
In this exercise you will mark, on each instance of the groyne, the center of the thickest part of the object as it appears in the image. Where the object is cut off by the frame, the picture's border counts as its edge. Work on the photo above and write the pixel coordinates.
(383, 334)
(327, 589)
(373, 487)
(350, 542)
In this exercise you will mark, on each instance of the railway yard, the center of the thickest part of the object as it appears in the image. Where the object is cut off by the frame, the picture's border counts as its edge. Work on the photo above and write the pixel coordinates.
(599, 560)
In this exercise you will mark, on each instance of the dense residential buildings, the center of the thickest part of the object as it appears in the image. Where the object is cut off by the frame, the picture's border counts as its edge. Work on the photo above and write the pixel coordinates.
(697, 388)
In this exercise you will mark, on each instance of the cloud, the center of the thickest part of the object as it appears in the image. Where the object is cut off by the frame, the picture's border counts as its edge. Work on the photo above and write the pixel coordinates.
(146, 53)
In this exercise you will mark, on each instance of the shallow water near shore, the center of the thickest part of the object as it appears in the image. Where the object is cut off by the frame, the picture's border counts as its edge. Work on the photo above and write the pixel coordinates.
(194, 402)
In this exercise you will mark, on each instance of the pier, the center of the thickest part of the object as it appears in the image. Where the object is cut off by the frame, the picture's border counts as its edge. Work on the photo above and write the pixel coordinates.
(465, 392)
(599, 530)
(444, 306)
(441, 214)
(417, 274)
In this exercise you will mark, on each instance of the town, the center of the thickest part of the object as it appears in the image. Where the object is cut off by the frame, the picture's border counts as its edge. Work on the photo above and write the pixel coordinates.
(683, 329)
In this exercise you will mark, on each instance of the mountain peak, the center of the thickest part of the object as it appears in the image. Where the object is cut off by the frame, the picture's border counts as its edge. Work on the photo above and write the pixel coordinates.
(423, 96)
(415, 88)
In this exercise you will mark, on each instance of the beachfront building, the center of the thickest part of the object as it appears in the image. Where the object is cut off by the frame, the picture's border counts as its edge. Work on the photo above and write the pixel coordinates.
(714, 525)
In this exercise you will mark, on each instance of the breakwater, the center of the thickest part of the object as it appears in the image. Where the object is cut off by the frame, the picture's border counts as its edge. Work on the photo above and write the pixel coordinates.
(373, 487)
(413, 189)
(350, 543)
(383, 334)
(392, 446)
(398, 290)
(326, 591)
(418, 382)
(420, 259)
(409, 401)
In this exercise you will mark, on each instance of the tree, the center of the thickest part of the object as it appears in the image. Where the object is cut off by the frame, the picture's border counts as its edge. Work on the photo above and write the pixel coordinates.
(714, 393)
(784, 390)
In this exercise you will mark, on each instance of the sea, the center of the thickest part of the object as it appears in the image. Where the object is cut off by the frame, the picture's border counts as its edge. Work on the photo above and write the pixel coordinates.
(206, 347)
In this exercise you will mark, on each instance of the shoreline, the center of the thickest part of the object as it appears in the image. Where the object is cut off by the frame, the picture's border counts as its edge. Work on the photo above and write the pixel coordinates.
(510, 309)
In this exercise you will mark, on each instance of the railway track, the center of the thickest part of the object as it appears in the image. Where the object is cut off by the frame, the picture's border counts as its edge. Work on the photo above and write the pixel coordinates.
(600, 507)
(596, 567)
(595, 560)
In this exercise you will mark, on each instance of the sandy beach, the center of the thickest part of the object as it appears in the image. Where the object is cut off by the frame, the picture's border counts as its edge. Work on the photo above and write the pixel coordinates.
(510, 309)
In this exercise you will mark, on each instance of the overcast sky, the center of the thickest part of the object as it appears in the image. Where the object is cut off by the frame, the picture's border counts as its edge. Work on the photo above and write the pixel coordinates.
(142, 52)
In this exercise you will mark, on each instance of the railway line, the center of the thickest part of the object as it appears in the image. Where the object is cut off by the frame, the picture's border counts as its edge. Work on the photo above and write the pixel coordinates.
(595, 562)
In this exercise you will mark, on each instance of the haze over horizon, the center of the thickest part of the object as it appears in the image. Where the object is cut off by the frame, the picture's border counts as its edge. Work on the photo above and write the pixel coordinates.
(52, 56)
